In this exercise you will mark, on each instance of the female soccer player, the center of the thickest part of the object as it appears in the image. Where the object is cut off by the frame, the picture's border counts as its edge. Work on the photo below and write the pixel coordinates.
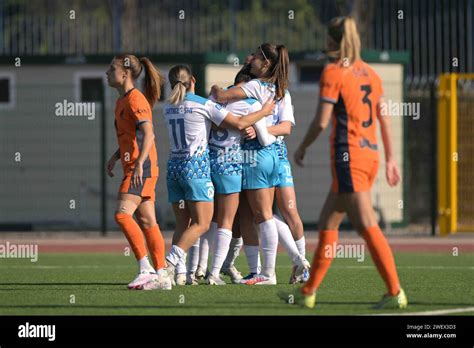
(270, 64)
(226, 172)
(190, 189)
(137, 152)
(351, 95)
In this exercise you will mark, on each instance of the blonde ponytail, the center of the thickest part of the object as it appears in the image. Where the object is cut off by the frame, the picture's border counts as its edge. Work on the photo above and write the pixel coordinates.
(180, 80)
(177, 94)
(343, 30)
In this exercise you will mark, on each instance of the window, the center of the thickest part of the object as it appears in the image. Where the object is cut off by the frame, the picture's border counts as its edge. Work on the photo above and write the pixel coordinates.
(90, 85)
(92, 89)
(310, 73)
(7, 91)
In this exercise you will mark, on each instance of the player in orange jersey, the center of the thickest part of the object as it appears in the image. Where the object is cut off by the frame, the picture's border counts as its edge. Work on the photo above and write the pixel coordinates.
(351, 96)
(137, 152)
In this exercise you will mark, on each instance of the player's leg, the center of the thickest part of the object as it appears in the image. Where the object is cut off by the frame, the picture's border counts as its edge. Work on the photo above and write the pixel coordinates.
(126, 206)
(362, 216)
(145, 215)
(201, 215)
(330, 218)
(290, 232)
(228, 268)
(227, 205)
(261, 203)
(250, 238)
(205, 248)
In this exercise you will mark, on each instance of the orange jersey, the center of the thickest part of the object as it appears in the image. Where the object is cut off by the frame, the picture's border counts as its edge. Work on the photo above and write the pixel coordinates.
(130, 111)
(355, 92)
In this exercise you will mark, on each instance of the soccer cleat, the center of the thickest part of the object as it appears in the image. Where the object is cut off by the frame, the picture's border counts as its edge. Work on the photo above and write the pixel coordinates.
(247, 277)
(293, 279)
(200, 273)
(180, 279)
(233, 273)
(161, 282)
(211, 280)
(260, 279)
(191, 279)
(302, 271)
(399, 301)
(141, 278)
(298, 298)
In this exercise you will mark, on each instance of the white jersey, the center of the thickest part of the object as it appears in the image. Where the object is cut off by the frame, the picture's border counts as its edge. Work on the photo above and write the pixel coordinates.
(283, 110)
(189, 125)
(229, 137)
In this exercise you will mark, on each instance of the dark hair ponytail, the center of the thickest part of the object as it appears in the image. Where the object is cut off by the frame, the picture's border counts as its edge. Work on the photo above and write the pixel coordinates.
(279, 68)
(153, 81)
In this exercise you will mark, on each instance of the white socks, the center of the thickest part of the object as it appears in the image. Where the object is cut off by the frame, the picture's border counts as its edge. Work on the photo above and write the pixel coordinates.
(301, 245)
(286, 239)
(234, 250)
(193, 257)
(221, 248)
(173, 257)
(144, 264)
(269, 244)
(206, 245)
(181, 265)
(253, 258)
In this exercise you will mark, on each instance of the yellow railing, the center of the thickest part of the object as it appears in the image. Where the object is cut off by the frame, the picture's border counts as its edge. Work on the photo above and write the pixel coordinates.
(448, 156)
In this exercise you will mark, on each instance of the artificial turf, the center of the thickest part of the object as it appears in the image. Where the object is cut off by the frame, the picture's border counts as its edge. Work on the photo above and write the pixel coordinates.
(95, 284)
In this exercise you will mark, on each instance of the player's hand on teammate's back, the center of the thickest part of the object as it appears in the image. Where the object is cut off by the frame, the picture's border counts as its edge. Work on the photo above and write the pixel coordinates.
(392, 173)
(110, 166)
(137, 175)
(214, 90)
(299, 156)
(249, 133)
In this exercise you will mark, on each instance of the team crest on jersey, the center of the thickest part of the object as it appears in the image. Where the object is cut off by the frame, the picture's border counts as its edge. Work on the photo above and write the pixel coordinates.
(210, 190)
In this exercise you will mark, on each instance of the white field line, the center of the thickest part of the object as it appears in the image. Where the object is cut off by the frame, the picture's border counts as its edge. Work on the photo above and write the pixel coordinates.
(437, 312)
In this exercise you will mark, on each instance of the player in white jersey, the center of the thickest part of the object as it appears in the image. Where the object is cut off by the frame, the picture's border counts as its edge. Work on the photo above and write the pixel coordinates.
(227, 159)
(190, 189)
(270, 64)
(280, 123)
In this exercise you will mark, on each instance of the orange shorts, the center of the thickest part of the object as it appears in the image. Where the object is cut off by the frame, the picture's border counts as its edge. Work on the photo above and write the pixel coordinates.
(146, 191)
(355, 176)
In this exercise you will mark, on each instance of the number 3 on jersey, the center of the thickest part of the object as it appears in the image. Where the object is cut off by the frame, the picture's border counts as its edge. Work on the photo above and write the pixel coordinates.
(181, 144)
(367, 89)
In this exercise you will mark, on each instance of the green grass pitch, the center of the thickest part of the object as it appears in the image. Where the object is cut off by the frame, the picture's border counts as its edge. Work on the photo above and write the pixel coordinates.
(97, 284)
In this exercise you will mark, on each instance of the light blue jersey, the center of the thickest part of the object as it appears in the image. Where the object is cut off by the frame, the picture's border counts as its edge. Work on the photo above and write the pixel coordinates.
(225, 151)
(189, 124)
(283, 111)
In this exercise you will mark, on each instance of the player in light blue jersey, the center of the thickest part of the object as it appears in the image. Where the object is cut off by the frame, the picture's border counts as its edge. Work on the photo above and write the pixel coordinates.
(270, 82)
(270, 65)
(190, 189)
(227, 159)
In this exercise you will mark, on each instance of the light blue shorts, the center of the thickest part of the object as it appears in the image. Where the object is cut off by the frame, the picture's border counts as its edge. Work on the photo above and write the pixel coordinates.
(261, 171)
(198, 190)
(286, 178)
